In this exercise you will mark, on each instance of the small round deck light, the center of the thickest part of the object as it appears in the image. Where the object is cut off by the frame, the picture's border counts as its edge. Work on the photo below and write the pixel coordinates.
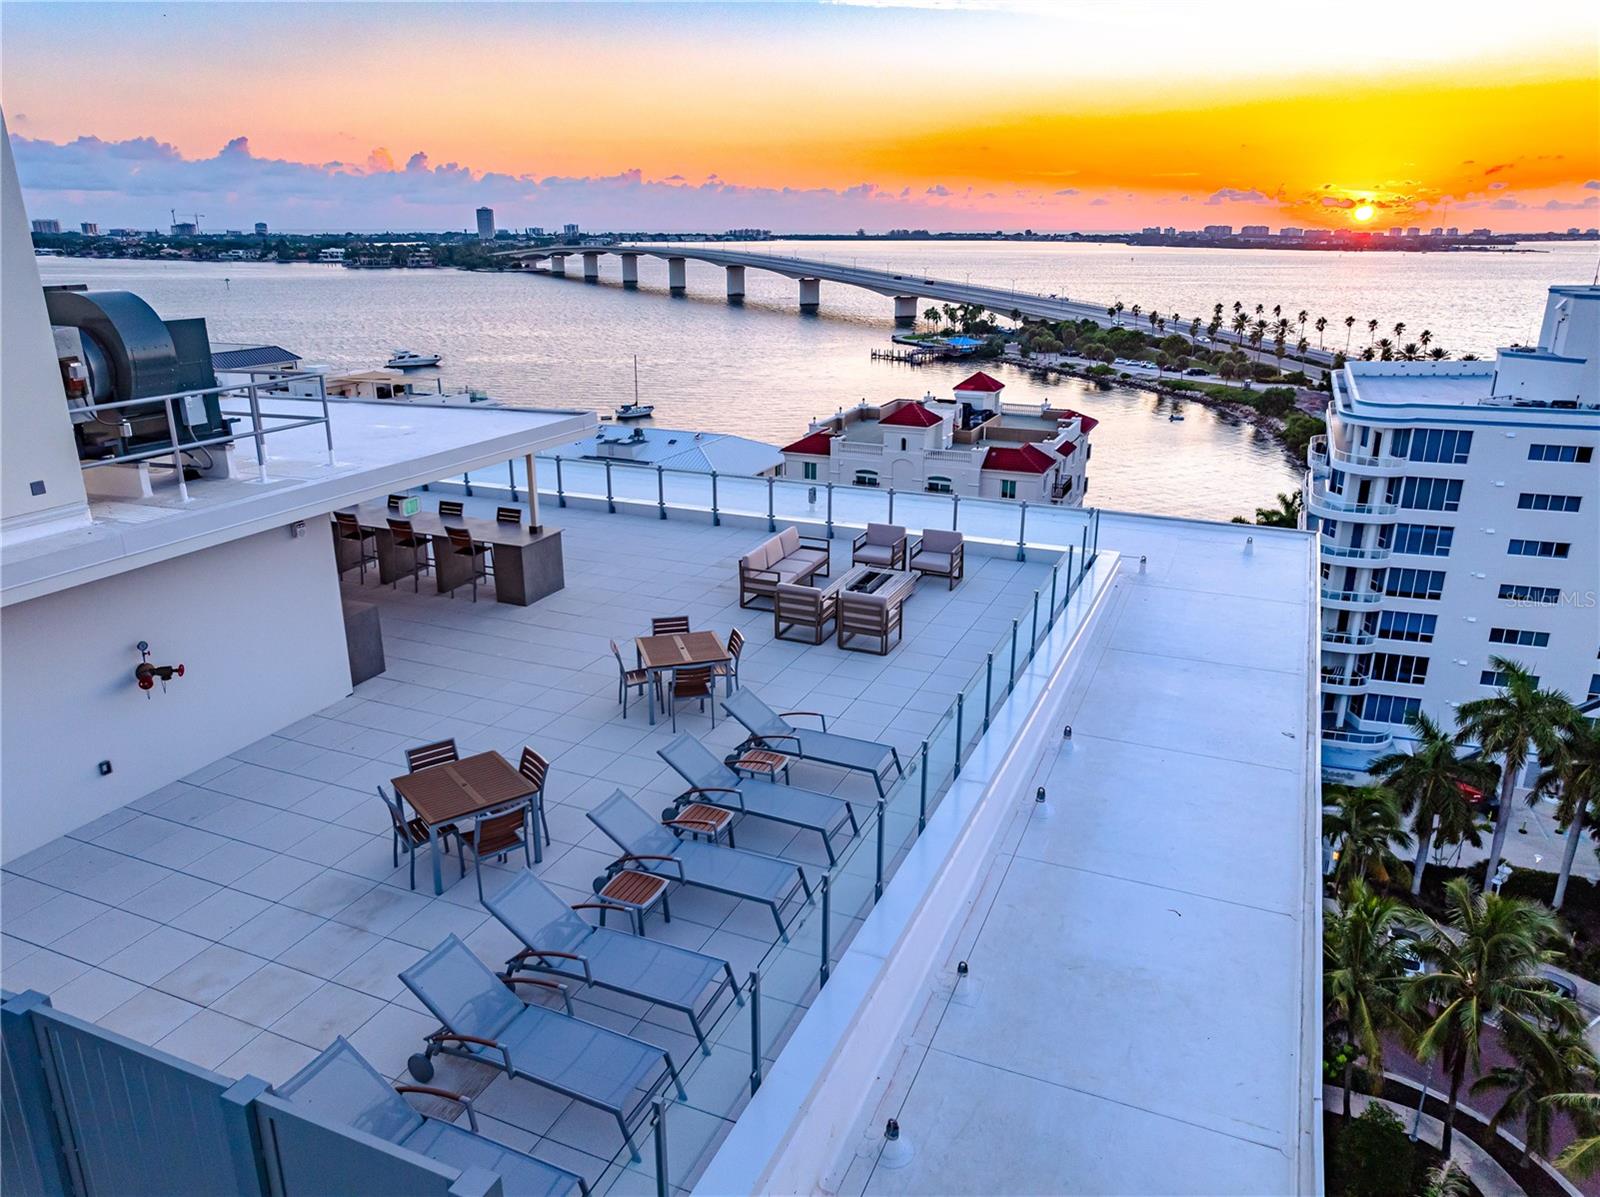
(897, 1151)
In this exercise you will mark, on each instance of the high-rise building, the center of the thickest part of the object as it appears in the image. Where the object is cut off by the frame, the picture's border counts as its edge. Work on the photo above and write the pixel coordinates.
(1291, 232)
(485, 224)
(89, 228)
(1218, 230)
(1457, 507)
(261, 228)
(47, 226)
(1253, 230)
(569, 231)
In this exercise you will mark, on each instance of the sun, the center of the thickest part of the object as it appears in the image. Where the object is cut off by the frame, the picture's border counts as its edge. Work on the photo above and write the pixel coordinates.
(1363, 213)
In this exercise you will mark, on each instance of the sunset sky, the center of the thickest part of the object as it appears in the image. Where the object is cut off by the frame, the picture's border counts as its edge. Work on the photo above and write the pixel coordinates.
(807, 117)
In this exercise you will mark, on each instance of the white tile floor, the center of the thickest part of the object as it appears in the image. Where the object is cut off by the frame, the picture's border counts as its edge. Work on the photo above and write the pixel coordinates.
(244, 916)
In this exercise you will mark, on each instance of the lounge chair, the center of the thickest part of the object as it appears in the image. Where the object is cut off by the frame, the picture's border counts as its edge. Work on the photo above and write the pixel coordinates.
(483, 1020)
(770, 729)
(649, 847)
(340, 1086)
(561, 945)
(713, 782)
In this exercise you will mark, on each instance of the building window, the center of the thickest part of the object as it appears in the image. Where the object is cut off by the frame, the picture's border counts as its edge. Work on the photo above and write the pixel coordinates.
(1008, 488)
(1414, 583)
(902, 444)
(1539, 548)
(1529, 594)
(1497, 679)
(1431, 494)
(1432, 444)
(1388, 708)
(1535, 502)
(1395, 667)
(1566, 453)
(808, 471)
(1420, 540)
(866, 478)
(939, 486)
(1521, 637)
(1407, 625)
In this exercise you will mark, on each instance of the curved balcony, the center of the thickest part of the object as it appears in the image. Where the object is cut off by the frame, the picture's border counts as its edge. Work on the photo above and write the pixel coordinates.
(1336, 681)
(1321, 501)
(1345, 552)
(1370, 467)
(1377, 740)
(1351, 600)
(1347, 642)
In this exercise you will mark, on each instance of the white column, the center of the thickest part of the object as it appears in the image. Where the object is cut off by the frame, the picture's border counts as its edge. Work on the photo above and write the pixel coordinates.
(677, 276)
(905, 309)
(810, 294)
(630, 271)
(591, 268)
(735, 282)
(558, 264)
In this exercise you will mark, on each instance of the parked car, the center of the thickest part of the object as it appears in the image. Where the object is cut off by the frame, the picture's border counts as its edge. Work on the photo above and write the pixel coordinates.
(1197, 370)
(1563, 983)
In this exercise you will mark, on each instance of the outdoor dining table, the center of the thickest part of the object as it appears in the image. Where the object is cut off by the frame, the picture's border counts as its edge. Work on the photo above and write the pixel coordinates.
(679, 650)
(461, 790)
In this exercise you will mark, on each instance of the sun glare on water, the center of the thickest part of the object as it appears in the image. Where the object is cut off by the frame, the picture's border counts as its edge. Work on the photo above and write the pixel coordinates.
(1363, 213)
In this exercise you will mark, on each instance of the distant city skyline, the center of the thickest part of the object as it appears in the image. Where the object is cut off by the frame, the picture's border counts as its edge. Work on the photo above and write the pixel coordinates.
(802, 118)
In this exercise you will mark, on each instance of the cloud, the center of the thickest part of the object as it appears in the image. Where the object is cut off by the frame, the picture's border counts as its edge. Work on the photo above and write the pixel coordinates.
(939, 190)
(1099, 202)
(1593, 185)
(1497, 186)
(1068, 191)
(379, 161)
(1498, 167)
(1234, 195)
(1587, 203)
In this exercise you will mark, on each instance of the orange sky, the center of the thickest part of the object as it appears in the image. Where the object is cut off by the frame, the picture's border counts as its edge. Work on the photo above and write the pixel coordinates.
(1002, 113)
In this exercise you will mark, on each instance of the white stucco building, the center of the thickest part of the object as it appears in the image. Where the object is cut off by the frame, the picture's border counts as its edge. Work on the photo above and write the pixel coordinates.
(1457, 506)
(970, 445)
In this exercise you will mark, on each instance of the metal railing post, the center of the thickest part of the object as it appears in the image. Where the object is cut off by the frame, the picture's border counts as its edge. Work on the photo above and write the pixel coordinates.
(177, 454)
(772, 524)
(327, 423)
(1011, 682)
(466, 484)
(1033, 631)
(511, 477)
(1072, 580)
(663, 1185)
(955, 512)
(611, 503)
(661, 491)
(255, 432)
(1084, 543)
(755, 1030)
(890, 520)
(561, 494)
(1096, 518)
(830, 511)
(716, 518)
(922, 799)
(988, 688)
(961, 707)
(1022, 532)
(827, 911)
(1050, 614)
(877, 885)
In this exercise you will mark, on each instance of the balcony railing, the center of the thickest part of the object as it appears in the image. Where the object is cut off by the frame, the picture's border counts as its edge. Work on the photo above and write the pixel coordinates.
(1361, 598)
(1346, 552)
(1339, 680)
(1348, 641)
(1342, 735)
(1321, 496)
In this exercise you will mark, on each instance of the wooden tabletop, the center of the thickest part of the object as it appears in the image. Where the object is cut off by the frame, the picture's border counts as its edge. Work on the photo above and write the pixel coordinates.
(470, 786)
(633, 888)
(682, 648)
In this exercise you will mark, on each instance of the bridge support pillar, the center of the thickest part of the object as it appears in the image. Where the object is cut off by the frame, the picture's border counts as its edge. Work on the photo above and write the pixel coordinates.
(677, 276)
(591, 268)
(905, 309)
(558, 264)
(810, 294)
(630, 272)
(735, 283)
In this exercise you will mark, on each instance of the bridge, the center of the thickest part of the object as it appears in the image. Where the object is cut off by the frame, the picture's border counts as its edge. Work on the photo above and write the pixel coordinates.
(906, 290)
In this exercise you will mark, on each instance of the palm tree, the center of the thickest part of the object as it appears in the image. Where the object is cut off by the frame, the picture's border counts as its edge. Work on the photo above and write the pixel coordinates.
(1259, 309)
(1240, 323)
(1211, 329)
(1135, 310)
(1258, 330)
(1194, 328)
(1483, 969)
(1582, 1155)
(1238, 307)
(1118, 306)
(951, 314)
(1349, 324)
(1162, 362)
(1519, 717)
(1321, 327)
(1399, 329)
(1572, 778)
(1112, 311)
(1227, 371)
(931, 315)
(1438, 354)
(1428, 782)
(1385, 349)
(1447, 1180)
(1287, 513)
(1409, 352)
(1363, 950)
(1426, 337)
(1544, 1065)
(1372, 330)
(1301, 346)
(1366, 823)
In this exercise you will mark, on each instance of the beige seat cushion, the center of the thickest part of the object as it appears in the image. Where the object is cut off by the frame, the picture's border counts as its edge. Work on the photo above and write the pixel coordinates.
(875, 554)
(807, 557)
(759, 557)
(937, 562)
(788, 541)
(941, 540)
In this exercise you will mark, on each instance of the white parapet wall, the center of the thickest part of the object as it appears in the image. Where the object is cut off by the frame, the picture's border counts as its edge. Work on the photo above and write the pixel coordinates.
(256, 622)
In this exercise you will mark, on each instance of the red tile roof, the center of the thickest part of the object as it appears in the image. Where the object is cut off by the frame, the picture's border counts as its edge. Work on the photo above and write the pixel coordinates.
(1089, 422)
(1025, 459)
(1067, 448)
(816, 444)
(981, 382)
(912, 415)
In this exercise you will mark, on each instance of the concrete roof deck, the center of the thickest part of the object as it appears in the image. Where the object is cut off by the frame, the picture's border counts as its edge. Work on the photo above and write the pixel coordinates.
(376, 447)
(244, 916)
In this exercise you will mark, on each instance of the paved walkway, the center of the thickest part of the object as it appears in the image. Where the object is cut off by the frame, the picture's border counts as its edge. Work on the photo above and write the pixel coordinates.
(1492, 1180)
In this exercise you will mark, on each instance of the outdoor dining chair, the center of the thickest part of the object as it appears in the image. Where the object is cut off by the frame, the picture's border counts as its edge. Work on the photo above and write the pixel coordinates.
(395, 501)
(451, 509)
(415, 545)
(495, 834)
(652, 848)
(482, 1019)
(340, 1086)
(693, 683)
(425, 756)
(410, 834)
(713, 782)
(669, 625)
(508, 515)
(536, 769)
(628, 679)
(729, 669)
(769, 729)
(558, 943)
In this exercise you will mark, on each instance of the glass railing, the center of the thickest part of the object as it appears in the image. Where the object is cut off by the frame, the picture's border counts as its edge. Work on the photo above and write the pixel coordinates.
(783, 983)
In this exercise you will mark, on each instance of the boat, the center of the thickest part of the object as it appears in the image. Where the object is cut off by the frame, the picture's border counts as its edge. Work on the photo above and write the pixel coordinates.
(407, 359)
(1174, 416)
(635, 410)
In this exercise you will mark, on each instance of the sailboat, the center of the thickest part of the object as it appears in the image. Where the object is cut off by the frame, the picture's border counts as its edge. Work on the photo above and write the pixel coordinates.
(635, 410)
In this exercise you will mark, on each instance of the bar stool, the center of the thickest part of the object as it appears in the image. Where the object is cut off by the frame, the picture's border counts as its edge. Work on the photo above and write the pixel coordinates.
(476, 552)
(451, 509)
(348, 529)
(408, 538)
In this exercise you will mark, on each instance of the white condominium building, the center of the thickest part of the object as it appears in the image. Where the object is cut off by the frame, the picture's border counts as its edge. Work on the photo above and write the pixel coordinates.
(1456, 503)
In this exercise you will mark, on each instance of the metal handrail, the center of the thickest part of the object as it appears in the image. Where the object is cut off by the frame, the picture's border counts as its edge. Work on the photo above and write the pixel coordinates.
(1364, 597)
(1343, 736)
(1359, 639)
(1354, 553)
(1321, 494)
